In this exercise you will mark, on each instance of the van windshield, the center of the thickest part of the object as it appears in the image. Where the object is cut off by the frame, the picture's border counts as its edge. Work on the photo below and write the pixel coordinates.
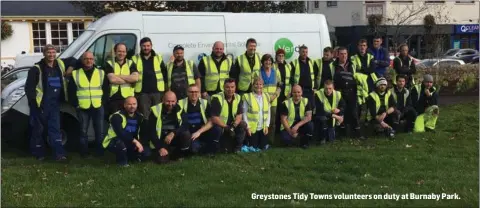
(75, 46)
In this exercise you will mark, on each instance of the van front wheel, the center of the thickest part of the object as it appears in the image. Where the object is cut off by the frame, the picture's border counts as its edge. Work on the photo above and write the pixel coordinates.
(69, 131)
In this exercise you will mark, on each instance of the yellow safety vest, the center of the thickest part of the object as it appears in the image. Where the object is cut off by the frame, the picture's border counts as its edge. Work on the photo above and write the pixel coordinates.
(358, 62)
(418, 87)
(291, 110)
(224, 114)
(188, 69)
(126, 90)
(376, 98)
(157, 60)
(296, 67)
(394, 77)
(247, 73)
(327, 106)
(183, 103)
(405, 95)
(320, 72)
(253, 112)
(271, 89)
(89, 93)
(39, 87)
(288, 69)
(214, 77)
(111, 133)
(157, 112)
(362, 87)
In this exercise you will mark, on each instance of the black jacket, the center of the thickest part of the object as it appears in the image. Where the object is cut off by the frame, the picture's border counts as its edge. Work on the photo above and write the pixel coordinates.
(423, 102)
(343, 78)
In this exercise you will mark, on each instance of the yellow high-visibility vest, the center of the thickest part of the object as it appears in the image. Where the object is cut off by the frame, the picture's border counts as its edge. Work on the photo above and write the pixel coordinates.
(188, 69)
(214, 76)
(296, 67)
(183, 103)
(253, 112)
(320, 72)
(111, 133)
(89, 93)
(157, 112)
(246, 72)
(378, 103)
(271, 89)
(224, 114)
(126, 90)
(39, 87)
(291, 110)
(157, 60)
(288, 86)
(358, 62)
(327, 106)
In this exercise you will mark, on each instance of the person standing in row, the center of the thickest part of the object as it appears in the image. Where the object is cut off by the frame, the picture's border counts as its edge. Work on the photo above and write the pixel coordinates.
(181, 73)
(226, 114)
(403, 65)
(285, 71)
(214, 70)
(304, 70)
(122, 74)
(296, 117)
(45, 89)
(122, 137)
(364, 66)
(325, 67)
(166, 129)
(246, 67)
(86, 93)
(329, 111)
(381, 109)
(345, 82)
(272, 86)
(256, 106)
(382, 58)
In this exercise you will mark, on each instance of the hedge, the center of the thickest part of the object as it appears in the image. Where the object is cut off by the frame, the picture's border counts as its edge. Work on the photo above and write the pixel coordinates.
(452, 80)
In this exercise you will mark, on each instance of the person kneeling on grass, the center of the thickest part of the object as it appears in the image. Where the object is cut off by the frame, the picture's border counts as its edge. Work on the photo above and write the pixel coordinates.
(122, 137)
(381, 109)
(165, 128)
(329, 108)
(195, 114)
(257, 107)
(226, 112)
(405, 110)
(425, 99)
(296, 116)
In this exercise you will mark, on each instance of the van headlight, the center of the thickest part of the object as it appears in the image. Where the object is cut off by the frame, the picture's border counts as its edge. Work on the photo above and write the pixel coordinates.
(13, 98)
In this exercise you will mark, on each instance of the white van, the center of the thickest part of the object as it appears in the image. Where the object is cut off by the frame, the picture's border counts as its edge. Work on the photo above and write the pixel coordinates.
(195, 31)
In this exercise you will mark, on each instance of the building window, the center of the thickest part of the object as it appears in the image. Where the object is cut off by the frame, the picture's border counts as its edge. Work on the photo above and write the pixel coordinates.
(465, 2)
(403, 1)
(331, 3)
(77, 29)
(434, 2)
(316, 4)
(59, 34)
(374, 9)
(39, 37)
(374, 2)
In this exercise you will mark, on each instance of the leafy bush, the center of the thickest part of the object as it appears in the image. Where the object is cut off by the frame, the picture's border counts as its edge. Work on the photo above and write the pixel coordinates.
(452, 79)
(7, 30)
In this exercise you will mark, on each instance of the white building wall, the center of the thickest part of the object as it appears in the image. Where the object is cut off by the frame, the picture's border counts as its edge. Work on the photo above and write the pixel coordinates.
(18, 42)
(355, 12)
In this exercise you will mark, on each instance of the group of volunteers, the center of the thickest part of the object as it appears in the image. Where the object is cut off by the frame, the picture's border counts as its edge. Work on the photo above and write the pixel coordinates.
(170, 111)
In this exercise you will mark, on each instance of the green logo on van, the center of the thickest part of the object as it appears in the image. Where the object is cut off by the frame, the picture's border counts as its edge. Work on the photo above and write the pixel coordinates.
(286, 45)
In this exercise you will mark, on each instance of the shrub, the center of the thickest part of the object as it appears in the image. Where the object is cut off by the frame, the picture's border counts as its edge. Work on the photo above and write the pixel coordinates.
(452, 80)
(7, 30)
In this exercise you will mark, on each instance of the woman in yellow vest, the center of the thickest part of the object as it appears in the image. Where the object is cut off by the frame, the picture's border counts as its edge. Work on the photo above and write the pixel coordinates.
(272, 86)
(257, 107)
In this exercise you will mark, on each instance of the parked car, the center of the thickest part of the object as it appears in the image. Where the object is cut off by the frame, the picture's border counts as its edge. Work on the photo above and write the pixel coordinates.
(426, 63)
(465, 55)
(474, 60)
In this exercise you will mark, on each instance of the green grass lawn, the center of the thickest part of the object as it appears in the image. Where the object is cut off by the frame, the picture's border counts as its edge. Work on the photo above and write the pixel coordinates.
(442, 162)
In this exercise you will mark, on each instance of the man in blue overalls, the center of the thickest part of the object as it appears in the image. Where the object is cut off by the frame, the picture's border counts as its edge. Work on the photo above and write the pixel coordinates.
(45, 89)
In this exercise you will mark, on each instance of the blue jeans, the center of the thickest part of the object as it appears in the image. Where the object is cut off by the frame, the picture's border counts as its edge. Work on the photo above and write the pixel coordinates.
(49, 117)
(84, 116)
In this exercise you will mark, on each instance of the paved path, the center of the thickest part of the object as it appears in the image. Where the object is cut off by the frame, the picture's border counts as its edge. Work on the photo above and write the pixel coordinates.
(449, 100)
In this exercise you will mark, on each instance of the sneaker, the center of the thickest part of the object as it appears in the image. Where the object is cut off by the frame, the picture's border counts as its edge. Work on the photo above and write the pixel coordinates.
(258, 150)
(245, 149)
(266, 147)
(61, 159)
(252, 149)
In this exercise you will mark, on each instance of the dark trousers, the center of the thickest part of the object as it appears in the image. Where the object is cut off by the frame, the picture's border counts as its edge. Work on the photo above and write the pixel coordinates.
(234, 142)
(208, 142)
(84, 117)
(257, 140)
(49, 118)
(280, 100)
(408, 115)
(305, 134)
(351, 112)
(178, 147)
(309, 94)
(124, 151)
(391, 119)
(114, 106)
(326, 128)
(147, 100)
